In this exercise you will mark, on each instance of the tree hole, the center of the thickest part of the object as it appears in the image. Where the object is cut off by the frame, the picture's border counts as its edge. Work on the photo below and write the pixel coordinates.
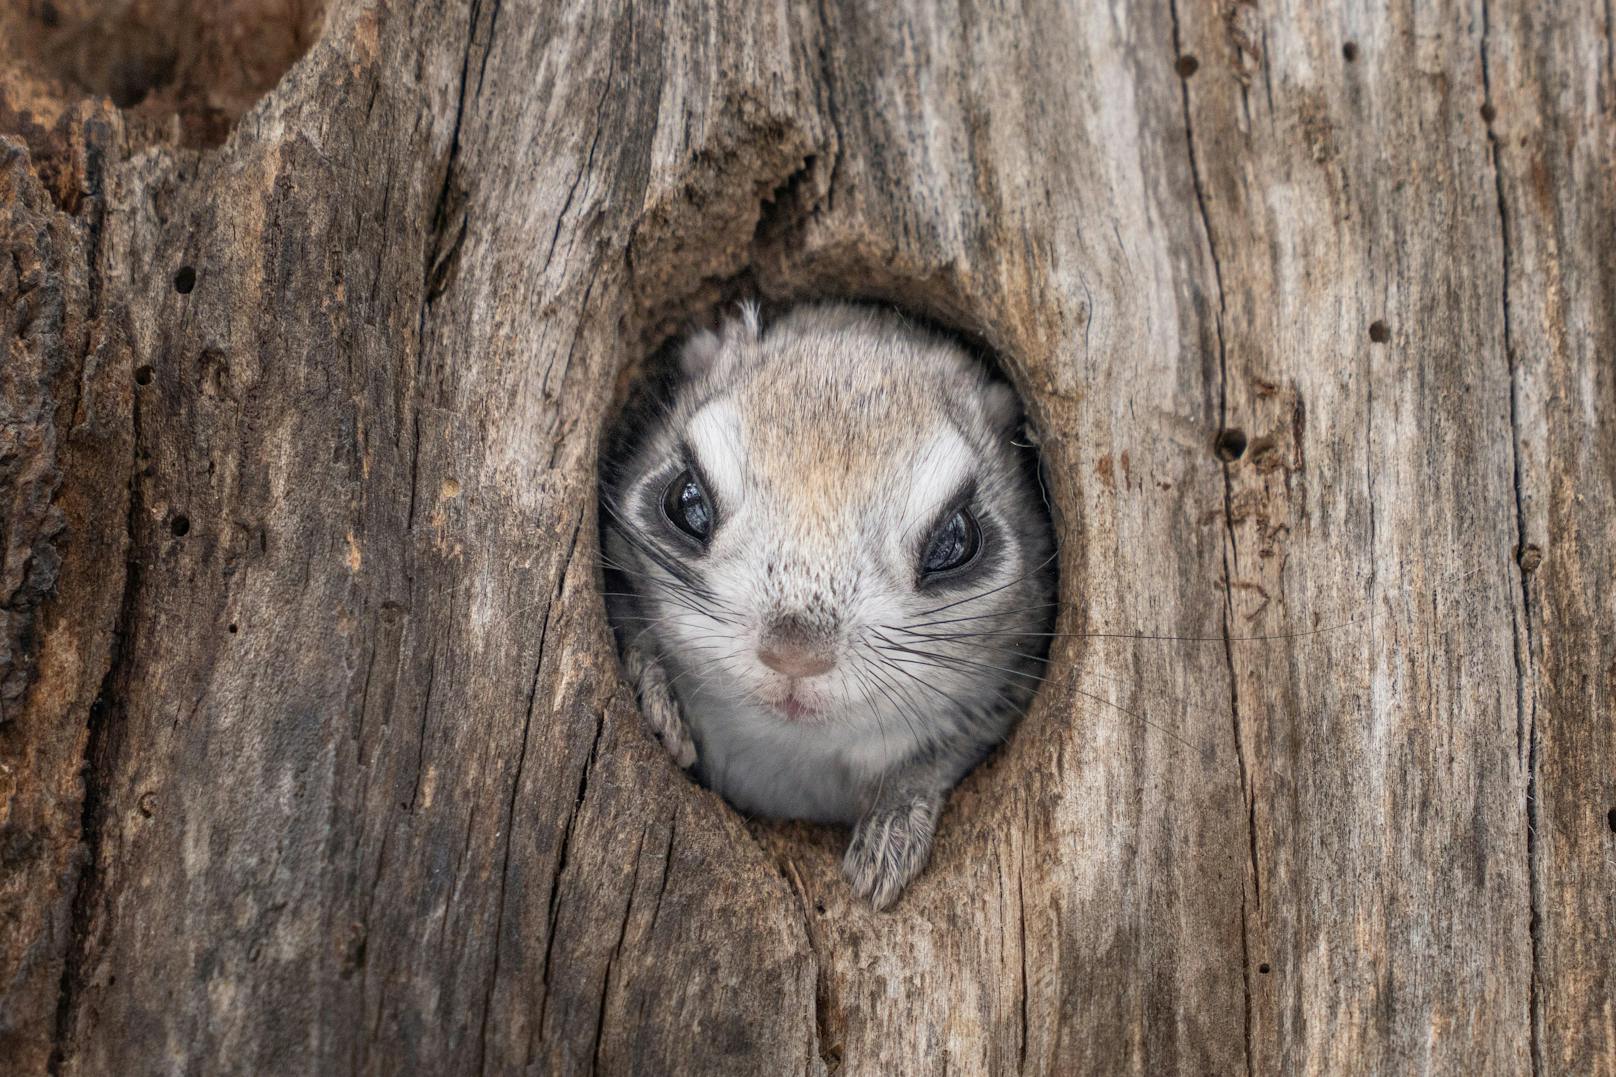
(143, 375)
(1230, 444)
(1529, 557)
(180, 526)
(1349, 52)
(1379, 333)
(1488, 112)
(203, 61)
(1264, 968)
(1187, 65)
(185, 280)
(1610, 818)
(809, 619)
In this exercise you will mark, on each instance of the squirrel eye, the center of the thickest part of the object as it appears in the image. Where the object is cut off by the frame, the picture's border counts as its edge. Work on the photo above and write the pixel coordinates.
(686, 506)
(953, 544)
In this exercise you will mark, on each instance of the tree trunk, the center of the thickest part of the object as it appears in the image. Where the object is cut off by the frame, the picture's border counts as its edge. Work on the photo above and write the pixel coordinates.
(314, 754)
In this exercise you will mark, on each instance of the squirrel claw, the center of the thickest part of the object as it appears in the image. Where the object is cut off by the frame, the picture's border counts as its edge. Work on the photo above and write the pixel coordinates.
(890, 845)
(661, 710)
(668, 724)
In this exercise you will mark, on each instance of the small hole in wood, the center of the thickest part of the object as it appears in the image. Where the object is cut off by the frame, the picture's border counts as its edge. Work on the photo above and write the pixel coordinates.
(1187, 65)
(1610, 817)
(1379, 333)
(1529, 557)
(185, 280)
(1231, 444)
(1349, 52)
(1488, 113)
(1264, 969)
(180, 526)
(143, 375)
(232, 630)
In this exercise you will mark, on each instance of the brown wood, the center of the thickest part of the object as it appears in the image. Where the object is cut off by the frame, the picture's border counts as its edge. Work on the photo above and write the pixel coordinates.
(314, 754)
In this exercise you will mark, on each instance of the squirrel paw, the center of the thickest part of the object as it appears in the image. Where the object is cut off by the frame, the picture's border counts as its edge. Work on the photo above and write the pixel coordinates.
(661, 710)
(890, 845)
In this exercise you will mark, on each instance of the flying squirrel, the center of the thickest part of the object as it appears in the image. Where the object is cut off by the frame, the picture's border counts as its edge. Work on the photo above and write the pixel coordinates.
(835, 572)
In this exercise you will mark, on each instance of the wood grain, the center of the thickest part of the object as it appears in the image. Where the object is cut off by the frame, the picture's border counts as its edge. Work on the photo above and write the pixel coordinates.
(1312, 309)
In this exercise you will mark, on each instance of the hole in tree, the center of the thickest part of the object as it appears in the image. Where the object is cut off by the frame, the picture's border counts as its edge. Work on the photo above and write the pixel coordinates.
(1230, 444)
(670, 493)
(1186, 66)
(185, 280)
(143, 375)
(1488, 112)
(180, 526)
(233, 629)
(201, 62)
(1349, 52)
(1379, 333)
(1264, 969)
(1610, 817)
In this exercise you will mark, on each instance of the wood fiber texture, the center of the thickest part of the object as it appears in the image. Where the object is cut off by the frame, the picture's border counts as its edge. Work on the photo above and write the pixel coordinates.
(314, 751)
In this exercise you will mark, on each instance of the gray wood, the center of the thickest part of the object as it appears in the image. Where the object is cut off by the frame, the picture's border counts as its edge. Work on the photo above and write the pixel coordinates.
(362, 790)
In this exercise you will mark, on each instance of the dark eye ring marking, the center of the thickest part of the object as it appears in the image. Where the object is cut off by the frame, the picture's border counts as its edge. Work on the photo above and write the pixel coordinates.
(686, 506)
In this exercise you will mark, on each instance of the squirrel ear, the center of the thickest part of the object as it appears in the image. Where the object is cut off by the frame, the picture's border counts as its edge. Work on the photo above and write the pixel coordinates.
(749, 318)
(1000, 406)
(699, 355)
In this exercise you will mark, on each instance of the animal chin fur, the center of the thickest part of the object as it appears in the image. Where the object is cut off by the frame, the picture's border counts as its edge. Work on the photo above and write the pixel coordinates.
(831, 445)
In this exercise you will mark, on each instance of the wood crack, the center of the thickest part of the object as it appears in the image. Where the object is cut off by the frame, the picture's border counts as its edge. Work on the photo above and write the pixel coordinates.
(1526, 709)
(667, 864)
(611, 958)
(832, 111)
(825, 1049)
(91, 825)
(1021, 928)
(510, 826)
(420, 742)
(87, 860)
(1230, 557)
(589, 159)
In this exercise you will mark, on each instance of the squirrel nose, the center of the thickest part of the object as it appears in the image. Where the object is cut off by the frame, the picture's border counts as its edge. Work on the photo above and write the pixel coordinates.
(796, 661)
(791, 647)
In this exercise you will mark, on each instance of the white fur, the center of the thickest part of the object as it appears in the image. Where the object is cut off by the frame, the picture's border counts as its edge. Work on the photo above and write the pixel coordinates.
(872, 716)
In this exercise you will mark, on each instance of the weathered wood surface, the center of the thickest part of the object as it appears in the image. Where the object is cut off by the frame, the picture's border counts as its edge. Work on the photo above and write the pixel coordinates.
(361, 789)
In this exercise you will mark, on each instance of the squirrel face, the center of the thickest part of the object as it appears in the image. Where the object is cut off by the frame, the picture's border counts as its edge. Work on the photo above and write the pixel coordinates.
(832, 526)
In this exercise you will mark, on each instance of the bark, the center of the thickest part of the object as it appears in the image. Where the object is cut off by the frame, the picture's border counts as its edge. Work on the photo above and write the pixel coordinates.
(314, 753)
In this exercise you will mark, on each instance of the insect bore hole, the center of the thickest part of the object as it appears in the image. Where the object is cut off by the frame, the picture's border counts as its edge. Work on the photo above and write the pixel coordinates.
(1610, 817)
(180, 526)
(1349, 52)
(185, 280)
(143, 375)
(1231, 444)
(1186, 66)
(1378, 332)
